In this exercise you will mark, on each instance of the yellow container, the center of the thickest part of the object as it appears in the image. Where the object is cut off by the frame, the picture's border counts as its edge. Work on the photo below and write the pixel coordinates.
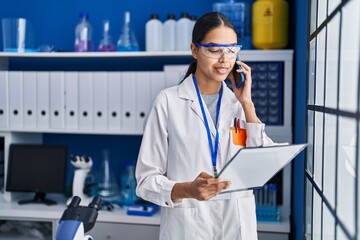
(270, 24)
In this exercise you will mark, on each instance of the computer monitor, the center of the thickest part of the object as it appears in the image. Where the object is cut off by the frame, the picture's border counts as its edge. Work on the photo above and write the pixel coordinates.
(37, 168)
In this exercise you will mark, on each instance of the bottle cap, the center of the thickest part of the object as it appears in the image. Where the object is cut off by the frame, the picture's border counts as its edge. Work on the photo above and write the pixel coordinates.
(171, 16)
(154, 16)
(129, 163)
(184, 15)
(84, 15)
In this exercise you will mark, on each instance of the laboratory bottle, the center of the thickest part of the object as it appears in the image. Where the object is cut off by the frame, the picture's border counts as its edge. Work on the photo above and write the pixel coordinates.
(128, 184)
(154, 33)
(272, 196)
(169, 34)
(127, 40)
(91, 184)
(107, 185)
(106, 43)
(183, 32)
(270, 24)
(193, 21)
(83, 34)
(239, 13)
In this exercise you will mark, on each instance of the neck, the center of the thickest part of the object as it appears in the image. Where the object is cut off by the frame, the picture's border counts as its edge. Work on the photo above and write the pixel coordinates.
(208, 86)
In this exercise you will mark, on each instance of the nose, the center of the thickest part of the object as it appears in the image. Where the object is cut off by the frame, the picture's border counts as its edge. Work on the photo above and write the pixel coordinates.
(223, 58)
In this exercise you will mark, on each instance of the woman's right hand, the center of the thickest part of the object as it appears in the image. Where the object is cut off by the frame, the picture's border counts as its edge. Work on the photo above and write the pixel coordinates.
(205, 186)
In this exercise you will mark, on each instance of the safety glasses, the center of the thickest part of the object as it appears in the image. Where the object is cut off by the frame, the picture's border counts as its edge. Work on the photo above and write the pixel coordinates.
(216, 51)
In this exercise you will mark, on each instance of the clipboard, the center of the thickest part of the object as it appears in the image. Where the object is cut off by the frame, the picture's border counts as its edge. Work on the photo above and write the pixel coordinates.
(252, 167)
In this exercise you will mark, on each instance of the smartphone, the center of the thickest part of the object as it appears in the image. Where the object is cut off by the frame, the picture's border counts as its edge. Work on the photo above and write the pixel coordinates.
(239, 80)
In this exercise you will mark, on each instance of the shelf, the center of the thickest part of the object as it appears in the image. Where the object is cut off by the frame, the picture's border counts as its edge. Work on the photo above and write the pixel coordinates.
(93, 54)
(11, 210)
(118, 61)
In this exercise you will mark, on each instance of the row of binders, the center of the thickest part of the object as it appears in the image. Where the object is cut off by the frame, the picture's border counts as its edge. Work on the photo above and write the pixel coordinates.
(109, 102)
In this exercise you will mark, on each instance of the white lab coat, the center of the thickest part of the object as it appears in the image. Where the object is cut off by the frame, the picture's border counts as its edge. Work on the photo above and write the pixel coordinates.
(175, 148)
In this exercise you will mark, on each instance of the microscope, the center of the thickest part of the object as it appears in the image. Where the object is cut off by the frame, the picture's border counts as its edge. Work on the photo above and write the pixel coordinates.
(82, 166)
(77, 220)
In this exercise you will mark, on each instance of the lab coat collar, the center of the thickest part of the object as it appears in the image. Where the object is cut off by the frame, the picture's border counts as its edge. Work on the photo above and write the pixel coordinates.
(186, 90)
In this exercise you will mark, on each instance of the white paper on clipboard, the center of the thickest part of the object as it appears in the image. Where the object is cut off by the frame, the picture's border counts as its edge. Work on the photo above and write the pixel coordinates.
(252, 167)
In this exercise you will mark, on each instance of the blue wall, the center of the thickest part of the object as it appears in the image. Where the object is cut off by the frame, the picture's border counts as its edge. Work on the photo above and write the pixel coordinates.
(54, 21)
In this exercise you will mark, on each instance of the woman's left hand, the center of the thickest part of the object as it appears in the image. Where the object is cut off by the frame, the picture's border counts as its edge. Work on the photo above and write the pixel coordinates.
(243, 94)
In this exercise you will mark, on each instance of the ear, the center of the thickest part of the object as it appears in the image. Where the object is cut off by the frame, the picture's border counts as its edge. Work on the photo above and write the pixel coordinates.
(194, 50)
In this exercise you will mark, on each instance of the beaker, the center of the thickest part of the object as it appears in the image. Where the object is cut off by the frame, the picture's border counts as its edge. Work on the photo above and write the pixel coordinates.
(18, 35)
(127, 40)
(107, 185)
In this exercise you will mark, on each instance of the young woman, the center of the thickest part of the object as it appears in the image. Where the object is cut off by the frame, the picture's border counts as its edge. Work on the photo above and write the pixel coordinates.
(190, 136)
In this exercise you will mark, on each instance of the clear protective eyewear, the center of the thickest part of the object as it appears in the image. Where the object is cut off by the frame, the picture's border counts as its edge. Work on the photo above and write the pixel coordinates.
(216, 51)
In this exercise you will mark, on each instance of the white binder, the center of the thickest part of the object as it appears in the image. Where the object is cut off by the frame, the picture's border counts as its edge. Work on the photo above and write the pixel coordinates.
(252, 167)
(43, 100)
(114, 100)
(100, 100)
(30, 97)
(157, 83)
(4, 99)
(57, 100)
(16, 99)
(71, 100)
(174, 74)
(128, 93)
(143, 86)
(85, 100)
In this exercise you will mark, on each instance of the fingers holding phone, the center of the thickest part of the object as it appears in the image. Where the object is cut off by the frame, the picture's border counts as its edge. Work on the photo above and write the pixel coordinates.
(238, 76)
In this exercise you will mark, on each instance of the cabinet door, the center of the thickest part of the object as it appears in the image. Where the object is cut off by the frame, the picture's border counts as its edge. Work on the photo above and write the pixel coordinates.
(119, 231)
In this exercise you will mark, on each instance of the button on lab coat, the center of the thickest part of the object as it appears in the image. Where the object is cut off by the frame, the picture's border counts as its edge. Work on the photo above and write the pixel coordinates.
(175, 149)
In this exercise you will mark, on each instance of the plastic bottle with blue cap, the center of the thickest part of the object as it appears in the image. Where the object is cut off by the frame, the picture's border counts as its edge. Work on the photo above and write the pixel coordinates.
(83, 34)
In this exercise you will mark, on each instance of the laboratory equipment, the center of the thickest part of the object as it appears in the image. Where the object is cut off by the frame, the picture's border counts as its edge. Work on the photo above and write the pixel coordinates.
(18, 35)
(128, 185)
(238, 12)
(266, 203)
(270, 24)
(77, 220)
(82, 166)
(154, 33)
(184, 32)
(107, 185)
(127, 40)
(106, 43)
(83, 34)
(169, 34)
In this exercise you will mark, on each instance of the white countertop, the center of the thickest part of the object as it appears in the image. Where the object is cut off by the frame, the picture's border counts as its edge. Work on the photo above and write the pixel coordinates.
(41, 212)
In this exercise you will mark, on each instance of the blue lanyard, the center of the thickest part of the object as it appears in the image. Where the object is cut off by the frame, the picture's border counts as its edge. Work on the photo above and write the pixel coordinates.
(213, 149)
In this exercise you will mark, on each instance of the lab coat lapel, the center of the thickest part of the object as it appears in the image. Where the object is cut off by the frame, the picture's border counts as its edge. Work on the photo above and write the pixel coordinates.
(187, 90)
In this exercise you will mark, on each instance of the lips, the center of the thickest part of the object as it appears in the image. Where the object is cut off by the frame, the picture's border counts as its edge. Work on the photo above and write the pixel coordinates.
(222, 70)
